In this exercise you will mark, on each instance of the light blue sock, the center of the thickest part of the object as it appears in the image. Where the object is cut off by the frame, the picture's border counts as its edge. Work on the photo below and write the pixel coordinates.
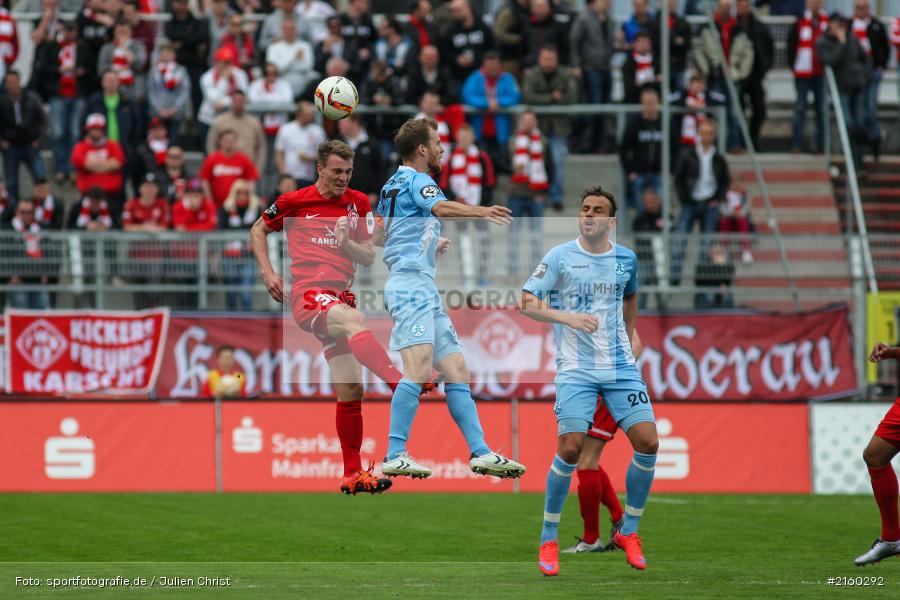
(558, 478)
(637, 489)
(462, 409)
(403, 410)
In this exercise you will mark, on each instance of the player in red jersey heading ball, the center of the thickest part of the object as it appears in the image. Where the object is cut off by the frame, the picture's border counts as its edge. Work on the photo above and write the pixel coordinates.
(328, 229)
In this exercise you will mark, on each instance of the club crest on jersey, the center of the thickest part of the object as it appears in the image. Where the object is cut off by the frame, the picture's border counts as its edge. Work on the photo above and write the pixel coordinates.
(620, 268)
(431, 191)
(540, 271)
(272, 210)
(352, 215)
(417, 330)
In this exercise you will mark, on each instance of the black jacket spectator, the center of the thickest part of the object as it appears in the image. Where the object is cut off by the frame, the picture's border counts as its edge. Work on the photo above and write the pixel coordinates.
(381, 84)
(641, 148)
(126, 114)
(418, 82)
(763, 45)
(30, 126)
(460, 41)
(852, 66)
(509, 30)
(679, 41)
(368, 167)
(45, 74)
(190, 36)
(93, 35)
(359, 34)
(878, 39)
(687, 171)
(629, 79)
(548, 30)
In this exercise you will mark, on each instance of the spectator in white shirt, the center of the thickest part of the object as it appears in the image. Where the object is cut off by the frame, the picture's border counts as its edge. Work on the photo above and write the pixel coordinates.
(218, 84)
(315, 13)
(296, 145)
(293, 57)
(273, 90)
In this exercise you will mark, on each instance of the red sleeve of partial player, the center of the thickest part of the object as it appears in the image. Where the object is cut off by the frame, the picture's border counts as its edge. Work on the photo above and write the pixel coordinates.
(275, 215)
(250, 172)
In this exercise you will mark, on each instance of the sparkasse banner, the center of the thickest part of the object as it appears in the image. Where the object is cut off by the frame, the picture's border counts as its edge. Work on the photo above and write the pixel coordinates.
(77, 352)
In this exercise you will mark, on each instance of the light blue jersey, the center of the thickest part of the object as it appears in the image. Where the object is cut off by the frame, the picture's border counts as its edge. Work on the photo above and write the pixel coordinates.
(410, 229)
(574, 280)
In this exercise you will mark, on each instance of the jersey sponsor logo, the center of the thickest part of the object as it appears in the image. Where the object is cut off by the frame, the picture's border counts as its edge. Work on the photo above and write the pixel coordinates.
(431, 191)
(620, 268)
(272, 210)
(540, 271)
(417, 330)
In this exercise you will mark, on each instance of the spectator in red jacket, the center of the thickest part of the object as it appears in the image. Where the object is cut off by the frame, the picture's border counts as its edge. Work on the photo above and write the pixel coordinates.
(225, 166)
(149, 211)
(240, 42)
(99, 161)
(195, 212)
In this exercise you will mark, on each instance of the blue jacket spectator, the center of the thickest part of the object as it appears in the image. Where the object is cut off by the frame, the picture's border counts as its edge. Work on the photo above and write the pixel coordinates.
(490, 88)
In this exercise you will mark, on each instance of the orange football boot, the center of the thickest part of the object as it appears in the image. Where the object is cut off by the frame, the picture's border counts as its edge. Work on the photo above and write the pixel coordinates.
(365, 481)
(631, 544)
(548, 558)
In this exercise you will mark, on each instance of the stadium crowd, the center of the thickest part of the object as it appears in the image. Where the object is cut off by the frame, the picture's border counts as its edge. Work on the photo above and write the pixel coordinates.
(121, 98)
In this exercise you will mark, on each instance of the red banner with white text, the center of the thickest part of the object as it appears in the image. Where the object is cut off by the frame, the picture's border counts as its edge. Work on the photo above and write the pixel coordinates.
(78, 352)
(695, 356)
(107, 447)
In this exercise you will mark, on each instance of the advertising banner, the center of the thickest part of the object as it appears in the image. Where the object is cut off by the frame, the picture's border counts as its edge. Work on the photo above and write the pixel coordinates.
(77, 352)
(291, 447)
(715, 356)
(840, 433)
(107, 447)
(722, 448)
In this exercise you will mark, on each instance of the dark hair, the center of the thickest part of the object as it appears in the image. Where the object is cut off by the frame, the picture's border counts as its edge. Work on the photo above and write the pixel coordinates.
(598, 190)
(649, 87)
(335, 147)
(413, 133)
(642, 34)
(393, 23)
(39, 181)
(697, 77)
(13, 72)
(224, 348)
(491, 55)
(549, 48)
(238, 92)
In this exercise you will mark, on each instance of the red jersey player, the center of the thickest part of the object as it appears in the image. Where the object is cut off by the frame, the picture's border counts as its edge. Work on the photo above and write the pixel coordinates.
(594, 486)
(882, 448)
(328, 228)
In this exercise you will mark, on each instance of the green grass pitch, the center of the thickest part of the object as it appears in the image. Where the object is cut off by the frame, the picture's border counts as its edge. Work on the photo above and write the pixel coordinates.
(313, 546)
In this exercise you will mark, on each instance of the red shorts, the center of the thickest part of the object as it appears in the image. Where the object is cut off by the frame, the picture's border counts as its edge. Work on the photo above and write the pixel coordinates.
(604, 427)
(310, 311)
(889, 428)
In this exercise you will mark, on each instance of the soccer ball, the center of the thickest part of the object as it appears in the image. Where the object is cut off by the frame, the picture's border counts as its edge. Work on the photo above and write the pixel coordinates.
(230, 385)
(336, 97)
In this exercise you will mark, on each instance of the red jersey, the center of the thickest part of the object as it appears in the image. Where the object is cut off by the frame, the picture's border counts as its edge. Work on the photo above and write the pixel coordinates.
(110, 183)
(136, 213)
(203, 219)
(222, 171)
(316, 257)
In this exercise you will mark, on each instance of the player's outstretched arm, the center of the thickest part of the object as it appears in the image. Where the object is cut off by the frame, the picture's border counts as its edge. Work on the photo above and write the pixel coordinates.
(360, 252)
(273, 281)
(533, 307)
(445, 209)
(882, 351)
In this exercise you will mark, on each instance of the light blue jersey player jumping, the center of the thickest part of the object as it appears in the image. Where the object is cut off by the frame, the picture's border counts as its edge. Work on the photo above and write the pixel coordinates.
(588, 289)
(409, 227)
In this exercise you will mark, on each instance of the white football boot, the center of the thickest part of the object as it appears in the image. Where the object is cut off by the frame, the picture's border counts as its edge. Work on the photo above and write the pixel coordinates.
(404, 466)
(583, 546)
(496, 465)
(878, 552)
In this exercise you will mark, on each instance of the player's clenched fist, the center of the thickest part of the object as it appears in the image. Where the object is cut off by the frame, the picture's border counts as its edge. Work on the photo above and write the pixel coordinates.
(342, 231)
(583, 322)
(500, 215)
(275, 286)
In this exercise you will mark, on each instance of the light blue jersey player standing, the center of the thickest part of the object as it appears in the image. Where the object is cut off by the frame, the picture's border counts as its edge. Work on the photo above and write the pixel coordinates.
(588, 289)
(408, 226)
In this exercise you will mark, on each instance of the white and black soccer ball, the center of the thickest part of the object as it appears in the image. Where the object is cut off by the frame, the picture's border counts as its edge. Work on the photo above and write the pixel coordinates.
(336, 97)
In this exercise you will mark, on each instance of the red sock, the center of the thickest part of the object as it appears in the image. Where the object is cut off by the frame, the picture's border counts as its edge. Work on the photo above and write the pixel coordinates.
(589, 502)
(349, 424)
(608, 496)
(884, 484)
(372, 355)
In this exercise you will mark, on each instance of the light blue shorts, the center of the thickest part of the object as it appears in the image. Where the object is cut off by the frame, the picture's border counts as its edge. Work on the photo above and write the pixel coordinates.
(414, 304)
(624, 393)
